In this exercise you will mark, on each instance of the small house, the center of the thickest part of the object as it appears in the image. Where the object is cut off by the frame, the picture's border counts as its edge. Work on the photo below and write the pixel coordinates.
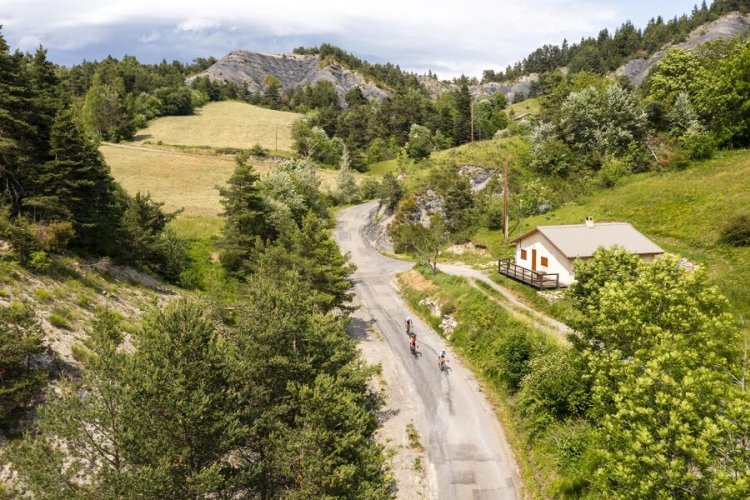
(545, 255)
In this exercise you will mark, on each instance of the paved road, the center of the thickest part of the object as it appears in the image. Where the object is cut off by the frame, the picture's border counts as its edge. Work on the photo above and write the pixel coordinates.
(465, 444)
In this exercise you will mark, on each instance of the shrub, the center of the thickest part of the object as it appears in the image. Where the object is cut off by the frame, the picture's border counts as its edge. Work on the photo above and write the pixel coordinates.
(20, 339)
(369, 188)
(514, 353)
(554, 388)
(678, 160)
(60, 318)
(447, 308)
(43, 295)
(612, 170)
(698, 144)
(54, 236)
(258, 150)
(39, 261)
(736, 232)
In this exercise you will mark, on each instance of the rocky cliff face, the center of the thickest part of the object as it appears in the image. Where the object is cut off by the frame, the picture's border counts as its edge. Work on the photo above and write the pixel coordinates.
(522, 86)
(250, 69)
(727, 27)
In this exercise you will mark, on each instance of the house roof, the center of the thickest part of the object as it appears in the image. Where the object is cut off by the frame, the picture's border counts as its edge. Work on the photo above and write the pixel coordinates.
(580, 240)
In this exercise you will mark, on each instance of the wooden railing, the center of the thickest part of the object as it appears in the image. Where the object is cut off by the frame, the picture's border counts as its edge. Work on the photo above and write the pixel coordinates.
(509, 268)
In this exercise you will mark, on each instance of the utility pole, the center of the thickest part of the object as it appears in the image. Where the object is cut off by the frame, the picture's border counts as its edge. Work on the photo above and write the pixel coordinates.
(277, 138)
(505, 199)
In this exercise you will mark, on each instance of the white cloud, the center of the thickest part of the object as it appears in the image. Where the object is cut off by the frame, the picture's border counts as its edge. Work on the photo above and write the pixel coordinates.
(462, 36)
(198, 24)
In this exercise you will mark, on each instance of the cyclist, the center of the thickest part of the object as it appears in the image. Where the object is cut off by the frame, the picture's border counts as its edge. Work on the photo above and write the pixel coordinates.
(409, 325)
(442, 359)
(413, 344)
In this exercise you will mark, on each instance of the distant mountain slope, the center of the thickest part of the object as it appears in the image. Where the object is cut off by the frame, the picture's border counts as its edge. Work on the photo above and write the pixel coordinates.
(249, 69)
(726, 27)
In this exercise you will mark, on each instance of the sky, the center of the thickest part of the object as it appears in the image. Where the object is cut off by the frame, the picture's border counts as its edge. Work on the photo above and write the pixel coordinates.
(448, 37)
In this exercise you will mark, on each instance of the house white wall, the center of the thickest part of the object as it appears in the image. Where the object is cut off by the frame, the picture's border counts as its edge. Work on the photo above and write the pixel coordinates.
(556, 261)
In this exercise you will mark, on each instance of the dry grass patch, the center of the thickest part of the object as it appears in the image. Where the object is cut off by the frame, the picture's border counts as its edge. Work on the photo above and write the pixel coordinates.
(415, 281)
(180, 180)
(225, 124)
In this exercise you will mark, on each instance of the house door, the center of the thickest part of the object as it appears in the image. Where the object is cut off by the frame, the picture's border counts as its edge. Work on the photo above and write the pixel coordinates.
(533, 259)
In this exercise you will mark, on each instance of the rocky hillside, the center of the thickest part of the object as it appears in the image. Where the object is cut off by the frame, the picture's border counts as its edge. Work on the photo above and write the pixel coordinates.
(250, 69)
(522, 86)
(729, 26)
(66, 296)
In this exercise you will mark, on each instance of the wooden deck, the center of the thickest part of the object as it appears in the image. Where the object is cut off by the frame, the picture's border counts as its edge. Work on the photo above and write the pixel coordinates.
(542, 281)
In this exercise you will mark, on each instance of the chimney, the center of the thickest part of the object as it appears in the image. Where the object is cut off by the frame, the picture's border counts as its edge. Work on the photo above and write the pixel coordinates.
(589, 221)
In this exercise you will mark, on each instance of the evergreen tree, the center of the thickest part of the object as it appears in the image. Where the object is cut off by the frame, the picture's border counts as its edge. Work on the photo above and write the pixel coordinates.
(462, 121)
(20, 339)
(182, 412)
(147, 240)
(307, 401)
(45, 86)
(79, 182)
(154, 424)
(17, 133)
(245, 213)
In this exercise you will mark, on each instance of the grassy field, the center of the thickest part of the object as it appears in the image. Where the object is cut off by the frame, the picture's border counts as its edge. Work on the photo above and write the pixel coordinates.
(527, 106)
(490, 153)
(180, 180)
(224, 124)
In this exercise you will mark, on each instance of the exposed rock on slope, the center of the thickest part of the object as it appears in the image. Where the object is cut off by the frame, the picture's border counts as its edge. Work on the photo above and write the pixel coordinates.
(250, 69)
(724, 28)
(375, 229)
(522, 86)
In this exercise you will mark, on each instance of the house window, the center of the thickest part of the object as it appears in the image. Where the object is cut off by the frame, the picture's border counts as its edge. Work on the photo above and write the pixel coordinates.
(544, 262)
(523, 254)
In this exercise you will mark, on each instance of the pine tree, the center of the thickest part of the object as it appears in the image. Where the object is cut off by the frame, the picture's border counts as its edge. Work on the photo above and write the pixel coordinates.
(462, 122)
(20, 339)
(182, 412)
(79, 183)
(16, 131)
(245, 214)
(157, 423)
(45, 86)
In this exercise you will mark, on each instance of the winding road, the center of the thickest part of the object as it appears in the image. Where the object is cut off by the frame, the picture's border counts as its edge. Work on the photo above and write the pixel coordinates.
(466, 448)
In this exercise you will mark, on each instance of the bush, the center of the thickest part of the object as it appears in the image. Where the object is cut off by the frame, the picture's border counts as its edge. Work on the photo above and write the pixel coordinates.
(369, 189)
(447, 309)
(554, 388)
(39, 261)
(698, 144)
(678, 160)
(258, 150)
(612, 170)
(514, 353)
(736, 232)
(20, 339)
(54, 236)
